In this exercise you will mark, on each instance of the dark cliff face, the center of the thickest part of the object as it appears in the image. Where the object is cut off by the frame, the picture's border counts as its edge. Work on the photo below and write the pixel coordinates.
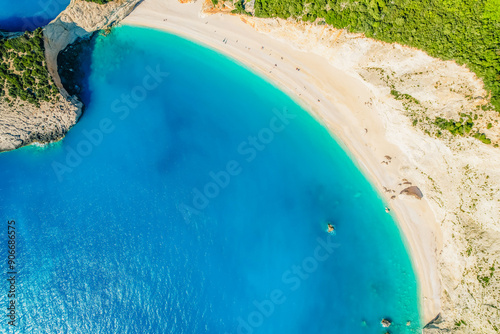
(74, 63)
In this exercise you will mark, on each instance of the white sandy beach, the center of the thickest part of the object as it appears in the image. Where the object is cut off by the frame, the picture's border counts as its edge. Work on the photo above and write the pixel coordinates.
(338, 100)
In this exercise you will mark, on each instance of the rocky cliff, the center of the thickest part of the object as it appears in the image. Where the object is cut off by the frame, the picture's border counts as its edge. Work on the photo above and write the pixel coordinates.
(23, 123)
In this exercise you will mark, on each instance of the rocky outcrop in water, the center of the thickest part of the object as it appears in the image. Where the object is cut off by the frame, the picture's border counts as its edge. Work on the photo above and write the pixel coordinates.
(385, 323)
(21, 123)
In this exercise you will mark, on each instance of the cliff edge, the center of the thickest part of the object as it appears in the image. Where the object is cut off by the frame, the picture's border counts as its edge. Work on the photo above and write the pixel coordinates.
(80, 19)
(24, 123)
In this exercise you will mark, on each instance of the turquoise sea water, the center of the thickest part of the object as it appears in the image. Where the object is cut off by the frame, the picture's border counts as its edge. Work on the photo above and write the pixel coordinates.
(193, 197)
(22, 15)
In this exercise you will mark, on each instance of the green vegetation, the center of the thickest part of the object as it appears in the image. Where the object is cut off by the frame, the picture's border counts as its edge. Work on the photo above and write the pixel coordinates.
(467, 31)
(469, 250)
(482, 137)
(404, 97)
(485, 280)
(462, 127)
(23, 72)
(240, 9)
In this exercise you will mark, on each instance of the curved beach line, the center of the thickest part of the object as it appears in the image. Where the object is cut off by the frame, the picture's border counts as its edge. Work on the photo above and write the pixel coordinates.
(335, 98)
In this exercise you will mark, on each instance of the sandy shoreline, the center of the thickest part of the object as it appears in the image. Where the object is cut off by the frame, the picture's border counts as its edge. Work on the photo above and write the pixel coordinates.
(339, 101)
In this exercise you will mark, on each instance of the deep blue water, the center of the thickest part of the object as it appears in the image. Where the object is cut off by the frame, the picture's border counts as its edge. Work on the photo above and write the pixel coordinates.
(22, 15)
(193, 197)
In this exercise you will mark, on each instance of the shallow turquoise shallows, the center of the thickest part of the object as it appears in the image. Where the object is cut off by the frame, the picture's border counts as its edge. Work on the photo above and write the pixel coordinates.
(194, 197)
(22, 15)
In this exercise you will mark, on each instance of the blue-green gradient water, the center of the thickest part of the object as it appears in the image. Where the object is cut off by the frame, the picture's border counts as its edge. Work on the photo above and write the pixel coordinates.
(22, 15)
(193, 197)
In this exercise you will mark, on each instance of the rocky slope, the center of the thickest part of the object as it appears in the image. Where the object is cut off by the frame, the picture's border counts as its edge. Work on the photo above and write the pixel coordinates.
(21, 123)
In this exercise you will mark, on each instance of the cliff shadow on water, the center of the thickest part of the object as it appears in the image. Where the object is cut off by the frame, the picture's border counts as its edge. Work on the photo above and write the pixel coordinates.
(17, 23)
(74, 67)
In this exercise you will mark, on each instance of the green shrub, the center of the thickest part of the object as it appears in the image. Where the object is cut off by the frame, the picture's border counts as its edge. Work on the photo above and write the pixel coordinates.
(240, 9)
(458, 128)
(482, 137)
